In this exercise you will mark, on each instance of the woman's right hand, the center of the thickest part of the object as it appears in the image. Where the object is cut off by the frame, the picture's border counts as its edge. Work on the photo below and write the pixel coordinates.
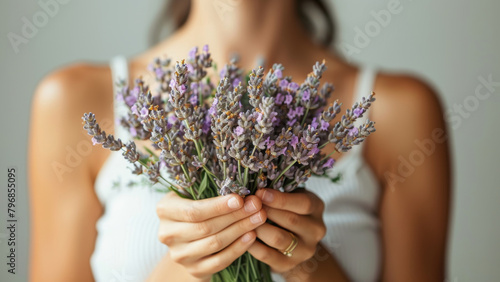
(206, 236)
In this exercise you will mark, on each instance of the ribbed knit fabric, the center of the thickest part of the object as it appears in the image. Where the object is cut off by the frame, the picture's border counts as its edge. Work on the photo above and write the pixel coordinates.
(127, 246)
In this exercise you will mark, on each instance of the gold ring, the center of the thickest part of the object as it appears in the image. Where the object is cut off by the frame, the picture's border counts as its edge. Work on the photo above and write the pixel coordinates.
(292, 246)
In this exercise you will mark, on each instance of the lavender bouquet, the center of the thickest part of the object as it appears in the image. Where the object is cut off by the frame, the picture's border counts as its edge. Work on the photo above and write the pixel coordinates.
(251, 131)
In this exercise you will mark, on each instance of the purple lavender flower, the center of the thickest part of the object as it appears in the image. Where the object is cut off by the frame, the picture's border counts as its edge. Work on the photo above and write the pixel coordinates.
(206, 126)
(269, 143)
(324, 125)
(299, 111)
(172, 119)
(278, 73)
(284, 84)
(354, 131)
(258, 116)
(236, 82)
(314, 151)
(173, 83)
(239, 130)
(182, 89)
(294, 141)
(135, 91)
(314, 123)
(134, 110)
(291, 122)
(194, 87)
(288, 99)
(329, 163)
(133, 131)
(159, 73)
(358, 112)
(279, 99)
(144, 112)
(192, 53)
(293, 87)
(193, 99)
(306, 95)
(223, 72)
(130, 100)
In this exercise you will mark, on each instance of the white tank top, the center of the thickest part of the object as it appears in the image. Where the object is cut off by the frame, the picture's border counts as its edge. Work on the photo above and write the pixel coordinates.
(127, 246)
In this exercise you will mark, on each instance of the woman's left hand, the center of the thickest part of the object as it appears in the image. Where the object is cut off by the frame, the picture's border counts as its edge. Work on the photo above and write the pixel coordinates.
(300, 213)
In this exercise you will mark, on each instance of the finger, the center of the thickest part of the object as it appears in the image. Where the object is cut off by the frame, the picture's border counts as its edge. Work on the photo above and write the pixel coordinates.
(301, 203)
(176, 208)
(195, 250)
(189, 231)
(223, 259)
(279, 262)
(279, 239)
(306, 227)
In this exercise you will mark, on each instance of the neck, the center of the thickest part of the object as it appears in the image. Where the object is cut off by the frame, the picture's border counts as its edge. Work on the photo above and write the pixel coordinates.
(254, 29)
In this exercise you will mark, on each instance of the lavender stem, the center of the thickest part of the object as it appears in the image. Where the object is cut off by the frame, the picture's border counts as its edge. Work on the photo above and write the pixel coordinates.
(283, 172)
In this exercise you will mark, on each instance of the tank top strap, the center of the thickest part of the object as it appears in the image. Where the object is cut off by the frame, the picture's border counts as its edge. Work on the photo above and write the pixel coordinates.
(119, 73)
(364, 86)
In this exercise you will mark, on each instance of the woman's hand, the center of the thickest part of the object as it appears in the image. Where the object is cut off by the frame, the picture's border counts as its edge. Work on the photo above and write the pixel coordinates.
(206, 236)
(299, 213)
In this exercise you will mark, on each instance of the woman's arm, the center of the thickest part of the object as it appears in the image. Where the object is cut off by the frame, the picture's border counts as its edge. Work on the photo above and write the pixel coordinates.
(64, 207)
(410, 155)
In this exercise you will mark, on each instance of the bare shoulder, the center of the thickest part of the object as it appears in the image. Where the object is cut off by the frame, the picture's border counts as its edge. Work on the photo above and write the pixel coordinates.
(407, 110)
(79, 84)
(397, 88)
(59, 102)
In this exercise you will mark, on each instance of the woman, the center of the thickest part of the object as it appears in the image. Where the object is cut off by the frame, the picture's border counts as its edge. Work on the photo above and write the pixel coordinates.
(386, 220)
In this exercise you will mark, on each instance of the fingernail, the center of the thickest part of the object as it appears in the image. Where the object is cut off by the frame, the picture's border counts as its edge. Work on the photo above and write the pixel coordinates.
(267, 197)
(256, 218)
(247, 237)
(250, 206)
(233, 203)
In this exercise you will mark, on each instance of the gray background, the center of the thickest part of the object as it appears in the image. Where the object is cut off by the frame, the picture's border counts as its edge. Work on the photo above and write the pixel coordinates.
(449, 43)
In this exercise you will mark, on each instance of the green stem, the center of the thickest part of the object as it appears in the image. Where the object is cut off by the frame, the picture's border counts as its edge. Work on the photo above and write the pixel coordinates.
(245, 179)
(239, 170)
(150, 152)
(208, 171)
(255, 182)
(255, 147)
(304, 118)
(323, 145)
(192, 189)
(283, 172)
(200, 159)
(252, 266)
(267, 272)
(291, 183)
(327, 156)
(237, 270)
(251, 155)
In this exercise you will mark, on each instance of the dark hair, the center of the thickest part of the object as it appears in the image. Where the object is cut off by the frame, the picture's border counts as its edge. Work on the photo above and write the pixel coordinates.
(176, 13)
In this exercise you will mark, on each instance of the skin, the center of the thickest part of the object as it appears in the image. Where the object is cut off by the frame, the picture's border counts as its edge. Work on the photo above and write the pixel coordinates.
(413, 209)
